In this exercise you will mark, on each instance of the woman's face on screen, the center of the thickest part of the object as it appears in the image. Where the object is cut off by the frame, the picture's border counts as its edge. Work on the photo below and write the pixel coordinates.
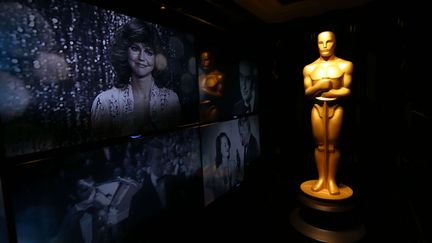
(225, 148)
(141, 59)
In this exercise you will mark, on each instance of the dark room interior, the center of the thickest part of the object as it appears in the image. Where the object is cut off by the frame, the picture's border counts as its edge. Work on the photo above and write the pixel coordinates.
(384, 139)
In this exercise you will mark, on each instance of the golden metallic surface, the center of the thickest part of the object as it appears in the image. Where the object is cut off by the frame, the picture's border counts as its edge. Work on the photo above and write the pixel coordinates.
(344, 191)
(326, 81)
(211, 83)
(211, 80)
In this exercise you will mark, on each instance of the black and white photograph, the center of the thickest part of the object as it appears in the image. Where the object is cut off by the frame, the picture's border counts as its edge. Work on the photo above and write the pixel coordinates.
(108, 194)
(73, 73)
(248, 129)
(247, 95)
(227, 147)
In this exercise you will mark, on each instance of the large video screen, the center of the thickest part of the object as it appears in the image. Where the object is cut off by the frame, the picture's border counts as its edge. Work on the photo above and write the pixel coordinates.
(109, 194)
(228, 150)
(3, 226)
(72, 73)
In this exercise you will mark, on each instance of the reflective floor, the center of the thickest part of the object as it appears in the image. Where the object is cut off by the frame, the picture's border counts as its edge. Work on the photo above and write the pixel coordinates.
(270, 207)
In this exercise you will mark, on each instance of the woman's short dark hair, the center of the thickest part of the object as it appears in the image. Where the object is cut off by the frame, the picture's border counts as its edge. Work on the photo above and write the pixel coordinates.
(218, 147)
(134, 31)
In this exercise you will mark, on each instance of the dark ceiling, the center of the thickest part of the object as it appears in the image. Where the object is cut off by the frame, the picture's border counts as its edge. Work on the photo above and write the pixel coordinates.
(220, 14)
(280, 11)
(226, 14)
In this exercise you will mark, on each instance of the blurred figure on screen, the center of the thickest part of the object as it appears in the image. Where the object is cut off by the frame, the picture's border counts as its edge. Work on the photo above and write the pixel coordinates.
(135, 103)
(247, 80)
(151, 198)
(211, 82)
(159, 187)
(84, 220)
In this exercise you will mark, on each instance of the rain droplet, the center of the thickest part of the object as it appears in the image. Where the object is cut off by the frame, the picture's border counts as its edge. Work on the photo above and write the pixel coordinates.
(36, 64)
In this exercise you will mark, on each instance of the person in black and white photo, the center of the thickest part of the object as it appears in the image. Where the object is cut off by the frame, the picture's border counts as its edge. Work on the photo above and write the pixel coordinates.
(248, 89)
(135, 103)
(248, 141)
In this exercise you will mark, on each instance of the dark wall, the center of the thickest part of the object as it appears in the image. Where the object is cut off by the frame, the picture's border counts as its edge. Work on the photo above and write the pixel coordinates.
(384, 141)
(384, 153)
(231, 44)
(387, 131)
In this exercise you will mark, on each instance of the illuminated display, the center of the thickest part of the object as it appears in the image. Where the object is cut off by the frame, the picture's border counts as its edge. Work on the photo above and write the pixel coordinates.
(73, 73)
